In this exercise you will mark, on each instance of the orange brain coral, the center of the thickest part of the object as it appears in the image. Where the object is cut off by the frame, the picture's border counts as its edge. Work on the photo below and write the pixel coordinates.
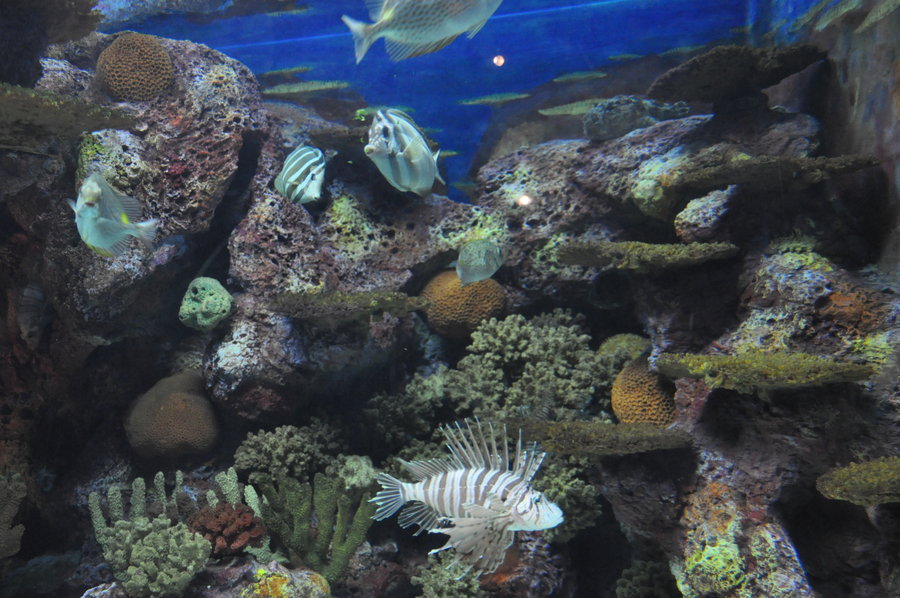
(456, 310)
(640, 396)
(135, 67)
(173, 419)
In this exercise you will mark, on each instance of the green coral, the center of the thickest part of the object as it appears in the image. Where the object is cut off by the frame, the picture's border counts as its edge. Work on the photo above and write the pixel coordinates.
(561, 481)
(150, 558)
(713, 569)
(354, 472)
(444, 578)
(205, 305)
(754, 370)
(336, 307)
(351, 226)
(642, 257)
(480, 224)
(646, 579)
(289, 451)
(323, 523)
(12, 492)
(867, 484)
(600, 438)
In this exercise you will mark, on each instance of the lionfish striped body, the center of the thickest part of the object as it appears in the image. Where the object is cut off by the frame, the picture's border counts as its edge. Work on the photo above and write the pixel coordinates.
(479, 496)
(301, 177)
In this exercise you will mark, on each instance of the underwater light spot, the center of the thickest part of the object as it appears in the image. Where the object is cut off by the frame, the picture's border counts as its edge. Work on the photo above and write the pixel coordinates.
(524, 200)
(499, 60)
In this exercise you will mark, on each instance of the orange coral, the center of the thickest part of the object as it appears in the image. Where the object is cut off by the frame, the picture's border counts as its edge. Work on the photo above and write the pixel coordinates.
(173, 419)
(135, 67)
(640, 396)
(456, 310)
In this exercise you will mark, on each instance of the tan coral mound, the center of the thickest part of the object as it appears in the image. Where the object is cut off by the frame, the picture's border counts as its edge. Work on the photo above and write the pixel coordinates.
(640, 396)
(173, 419)
(135, 67)
(456, 311)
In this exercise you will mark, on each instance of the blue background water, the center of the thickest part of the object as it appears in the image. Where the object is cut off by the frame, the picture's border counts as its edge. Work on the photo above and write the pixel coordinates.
(539, 39)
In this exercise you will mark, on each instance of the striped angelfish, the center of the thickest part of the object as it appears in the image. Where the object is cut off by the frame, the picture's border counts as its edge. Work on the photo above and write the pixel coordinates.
(400, 151)
(479, 496)
(301, 178)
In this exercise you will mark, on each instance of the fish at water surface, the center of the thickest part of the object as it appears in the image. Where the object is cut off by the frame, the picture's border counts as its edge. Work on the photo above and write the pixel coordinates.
(480, 496)
(302, 175)
(415, 27)
(106, 219)
(398, 148)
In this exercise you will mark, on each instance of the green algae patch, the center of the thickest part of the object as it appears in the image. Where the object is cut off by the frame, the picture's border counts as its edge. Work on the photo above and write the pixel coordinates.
(598, 439)
(754, 371)
(338, 306)
(866, 484)
(642, 257)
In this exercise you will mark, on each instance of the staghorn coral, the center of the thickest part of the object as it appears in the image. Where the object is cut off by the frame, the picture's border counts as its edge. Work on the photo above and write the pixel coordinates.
(600, 438)
(642, 257)
(867, 484)
(289, 451)
(135, 67)
(230, 528)
(455, 311)
(205, 304)
(173, 419)
(12, 491)
(754, 370)
(640, 396)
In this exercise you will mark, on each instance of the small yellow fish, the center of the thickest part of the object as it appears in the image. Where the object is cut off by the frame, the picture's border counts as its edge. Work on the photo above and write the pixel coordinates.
(579, 76)
(415, 27)
(626, 56)
(495, 99)
(106, 219)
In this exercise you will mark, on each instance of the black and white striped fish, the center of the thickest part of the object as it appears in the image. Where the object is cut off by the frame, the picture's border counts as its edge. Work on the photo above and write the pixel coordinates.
(479, 496)
(300, 180)
(400, 151)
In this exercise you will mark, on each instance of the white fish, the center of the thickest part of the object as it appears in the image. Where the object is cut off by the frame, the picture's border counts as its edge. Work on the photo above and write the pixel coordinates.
(106, 218)
(400, 151)
(302, 175)
(479, 496)
(478, 260)
(415, 27)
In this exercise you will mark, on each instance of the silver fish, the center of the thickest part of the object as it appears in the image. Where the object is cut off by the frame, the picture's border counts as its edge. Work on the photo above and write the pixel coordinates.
(415, 27)
(106, 218)
(478, 260)
(302, 175)
(33, 314)
(479, 496)
(399, 150)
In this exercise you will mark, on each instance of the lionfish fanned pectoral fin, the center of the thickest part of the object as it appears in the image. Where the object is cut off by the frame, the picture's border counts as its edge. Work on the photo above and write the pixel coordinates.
(481, 539)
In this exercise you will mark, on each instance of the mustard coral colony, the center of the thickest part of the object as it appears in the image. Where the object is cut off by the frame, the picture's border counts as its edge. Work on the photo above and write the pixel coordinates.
(869, 483)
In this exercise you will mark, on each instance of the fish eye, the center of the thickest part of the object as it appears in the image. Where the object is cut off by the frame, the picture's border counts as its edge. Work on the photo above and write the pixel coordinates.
(385, 131)
(537, 499)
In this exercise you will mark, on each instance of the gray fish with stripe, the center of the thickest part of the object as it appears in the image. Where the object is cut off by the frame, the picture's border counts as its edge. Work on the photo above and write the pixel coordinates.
(415, 27)
(478, 260)
(302, 175)
(480, 496)
(398, 148)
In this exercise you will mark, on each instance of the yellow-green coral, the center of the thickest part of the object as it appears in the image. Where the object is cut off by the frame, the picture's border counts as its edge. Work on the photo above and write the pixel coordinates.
(600, 438)
(642, 257)
(351, 226)
(867, 484)
(336, 307)
(481, 224)
(760, 371)
(713, 570)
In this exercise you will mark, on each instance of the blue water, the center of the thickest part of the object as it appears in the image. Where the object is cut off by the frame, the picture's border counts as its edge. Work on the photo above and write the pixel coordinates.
(539, 39)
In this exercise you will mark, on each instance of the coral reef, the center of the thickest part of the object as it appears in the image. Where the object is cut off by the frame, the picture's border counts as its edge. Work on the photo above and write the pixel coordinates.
(601, 438)
(330, 308)
(205, 305)
(642, 257)
(754, 371)
(230, 528)
(289, 451)
(443, 577)
(869, 484)
(641, 396)
(173, 419)
(616, 116)
(135, 67)
(455, 310)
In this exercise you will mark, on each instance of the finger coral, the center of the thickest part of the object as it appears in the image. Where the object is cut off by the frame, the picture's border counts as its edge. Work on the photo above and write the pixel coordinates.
(135, 67)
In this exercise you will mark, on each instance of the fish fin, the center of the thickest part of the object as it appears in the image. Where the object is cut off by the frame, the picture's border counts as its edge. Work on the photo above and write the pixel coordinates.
(399, 51)
(479, 541)
(477, 27)
(390, 498)
(72, 205)
(428, 468)
(470, 447)
(362, 37)
(375, 7)
(421, 514)
(146, 232)
(116, 249)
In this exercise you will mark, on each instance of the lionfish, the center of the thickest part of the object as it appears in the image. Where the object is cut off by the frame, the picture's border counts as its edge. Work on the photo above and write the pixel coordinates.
(479, 496)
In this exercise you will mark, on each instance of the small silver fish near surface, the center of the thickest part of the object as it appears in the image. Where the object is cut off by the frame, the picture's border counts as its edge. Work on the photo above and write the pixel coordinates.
(415, 27)
(480, 496)
(107, 219)
(302, 175)
(478, 260)
(400, 151)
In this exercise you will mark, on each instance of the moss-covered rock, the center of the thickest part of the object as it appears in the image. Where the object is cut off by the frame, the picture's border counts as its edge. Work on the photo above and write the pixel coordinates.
(867, 484)
(643, 257)
(206, 304)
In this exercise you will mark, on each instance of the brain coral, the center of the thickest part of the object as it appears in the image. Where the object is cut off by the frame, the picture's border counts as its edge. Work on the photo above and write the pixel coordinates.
(173, 419)
(456, 311)
(639, 396)
(135, 67)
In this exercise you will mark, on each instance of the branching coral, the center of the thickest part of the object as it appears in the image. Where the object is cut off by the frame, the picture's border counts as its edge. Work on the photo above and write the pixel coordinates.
(560, 482)
(442, 578)
(230, 528)
(289, 451)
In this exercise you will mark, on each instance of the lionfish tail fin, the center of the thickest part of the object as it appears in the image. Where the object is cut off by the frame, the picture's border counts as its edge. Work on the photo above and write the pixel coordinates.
(390, 498)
